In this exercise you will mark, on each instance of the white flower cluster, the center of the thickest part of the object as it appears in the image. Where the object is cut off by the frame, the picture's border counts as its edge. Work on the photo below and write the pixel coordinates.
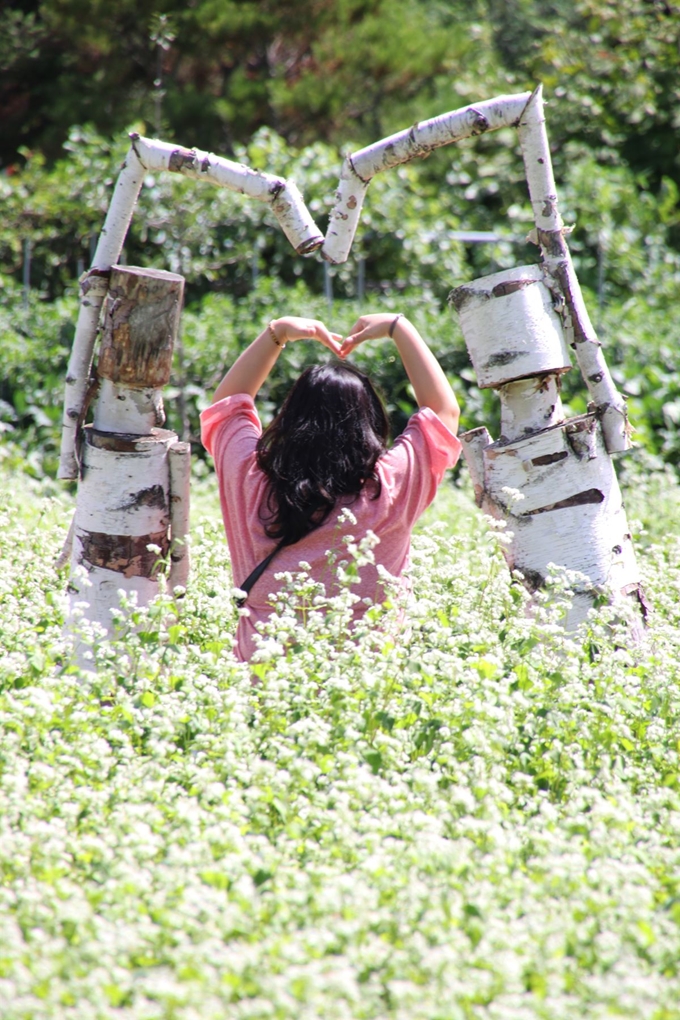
(454, 811)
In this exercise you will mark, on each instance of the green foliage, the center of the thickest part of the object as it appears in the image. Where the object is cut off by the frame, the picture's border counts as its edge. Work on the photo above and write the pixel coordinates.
(59, 210)
(240, 269)
(36, 343)
(219, 239)
(36, 340)
(611, 67)
(469, 816)
(218, 71)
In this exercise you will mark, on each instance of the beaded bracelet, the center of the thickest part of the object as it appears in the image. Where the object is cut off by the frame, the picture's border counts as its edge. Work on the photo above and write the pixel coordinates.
(272, 334)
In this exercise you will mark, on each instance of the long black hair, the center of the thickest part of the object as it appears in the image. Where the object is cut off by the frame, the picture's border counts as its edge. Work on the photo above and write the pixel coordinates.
(323, 444)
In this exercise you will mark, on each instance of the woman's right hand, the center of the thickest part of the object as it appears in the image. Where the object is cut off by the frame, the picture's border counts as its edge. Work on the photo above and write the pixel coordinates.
(369, 327)
(431, 387)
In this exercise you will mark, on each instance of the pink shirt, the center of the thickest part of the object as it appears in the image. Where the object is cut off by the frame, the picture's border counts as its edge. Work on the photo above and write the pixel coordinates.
(409, 472)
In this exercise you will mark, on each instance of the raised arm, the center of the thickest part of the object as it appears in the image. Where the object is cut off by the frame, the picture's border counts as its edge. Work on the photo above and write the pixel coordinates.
(253, 366)
(431, 387)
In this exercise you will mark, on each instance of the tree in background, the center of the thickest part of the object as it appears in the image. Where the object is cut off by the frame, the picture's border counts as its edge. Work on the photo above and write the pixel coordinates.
(309, 68)
(613, 67)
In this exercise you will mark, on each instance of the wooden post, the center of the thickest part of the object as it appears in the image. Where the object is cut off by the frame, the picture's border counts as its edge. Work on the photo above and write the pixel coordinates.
(125, 501)
(550, 478)
(561, 276)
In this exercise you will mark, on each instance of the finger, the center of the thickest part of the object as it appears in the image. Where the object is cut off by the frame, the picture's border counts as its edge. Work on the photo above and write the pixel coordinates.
(358, 326)
(347, 347)
(332, 345)
(328, 339)
(357, 338)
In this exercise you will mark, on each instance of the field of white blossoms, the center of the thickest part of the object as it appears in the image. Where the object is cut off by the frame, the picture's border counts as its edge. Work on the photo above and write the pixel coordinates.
(475, 820)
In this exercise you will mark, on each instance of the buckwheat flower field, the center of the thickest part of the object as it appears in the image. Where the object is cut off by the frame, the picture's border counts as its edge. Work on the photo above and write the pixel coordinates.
(460, 815)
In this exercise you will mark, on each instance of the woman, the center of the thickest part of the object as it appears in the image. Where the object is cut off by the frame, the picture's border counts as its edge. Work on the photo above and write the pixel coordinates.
(282, 491)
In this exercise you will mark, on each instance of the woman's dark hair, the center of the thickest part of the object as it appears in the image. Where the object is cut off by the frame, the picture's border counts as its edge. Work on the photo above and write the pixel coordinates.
(323, 444)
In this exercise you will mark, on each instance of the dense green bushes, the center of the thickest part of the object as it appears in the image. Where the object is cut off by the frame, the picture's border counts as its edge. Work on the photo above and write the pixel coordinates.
(36, 343)
(241, 271)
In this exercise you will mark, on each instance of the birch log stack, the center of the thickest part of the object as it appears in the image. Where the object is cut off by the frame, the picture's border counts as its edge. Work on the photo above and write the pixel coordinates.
(569, 511)
(133, 492)
(550, 478)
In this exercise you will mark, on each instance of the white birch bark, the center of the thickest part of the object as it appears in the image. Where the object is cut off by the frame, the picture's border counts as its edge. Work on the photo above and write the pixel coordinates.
(516, 331)
(281, 195)
(474, 443)
(530, 405)
(550, 236)
(124, 409)
(92, 293)
(180, 479)
(552, 481)
(93, 290)
(416, 141)
(123, 506)
(571, 513)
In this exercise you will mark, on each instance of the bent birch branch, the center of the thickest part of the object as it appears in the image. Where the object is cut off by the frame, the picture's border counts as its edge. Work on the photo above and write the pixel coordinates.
(419, 140)
(147, 154)
(281, 195)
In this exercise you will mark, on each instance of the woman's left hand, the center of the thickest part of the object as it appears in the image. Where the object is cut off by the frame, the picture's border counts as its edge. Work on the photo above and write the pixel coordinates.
(293, 327)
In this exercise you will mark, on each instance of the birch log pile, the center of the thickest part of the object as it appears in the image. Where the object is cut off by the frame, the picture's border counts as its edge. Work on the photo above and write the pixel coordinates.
(549, 478)
(133, 491)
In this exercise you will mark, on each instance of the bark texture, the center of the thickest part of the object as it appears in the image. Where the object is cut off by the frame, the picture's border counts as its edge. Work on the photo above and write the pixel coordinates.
(124, 520)
(122, 507)
(551, 480)
(141, 321)
(517, 331)
(180, 477)
(281, 195)
(415, 142)
(550, 235)
(558, 494)
(93, 288)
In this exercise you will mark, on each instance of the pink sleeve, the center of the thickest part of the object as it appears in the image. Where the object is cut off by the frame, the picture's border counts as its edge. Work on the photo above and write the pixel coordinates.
(232, 420)
(415, 465)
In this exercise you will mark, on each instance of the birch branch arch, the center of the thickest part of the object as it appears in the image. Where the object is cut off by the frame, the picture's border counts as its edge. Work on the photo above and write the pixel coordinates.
(525, 112)
(522, 110)
(535, 436)
(145, 155)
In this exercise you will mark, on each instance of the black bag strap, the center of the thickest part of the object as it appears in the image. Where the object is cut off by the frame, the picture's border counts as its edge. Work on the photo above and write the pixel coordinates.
(256, 574)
